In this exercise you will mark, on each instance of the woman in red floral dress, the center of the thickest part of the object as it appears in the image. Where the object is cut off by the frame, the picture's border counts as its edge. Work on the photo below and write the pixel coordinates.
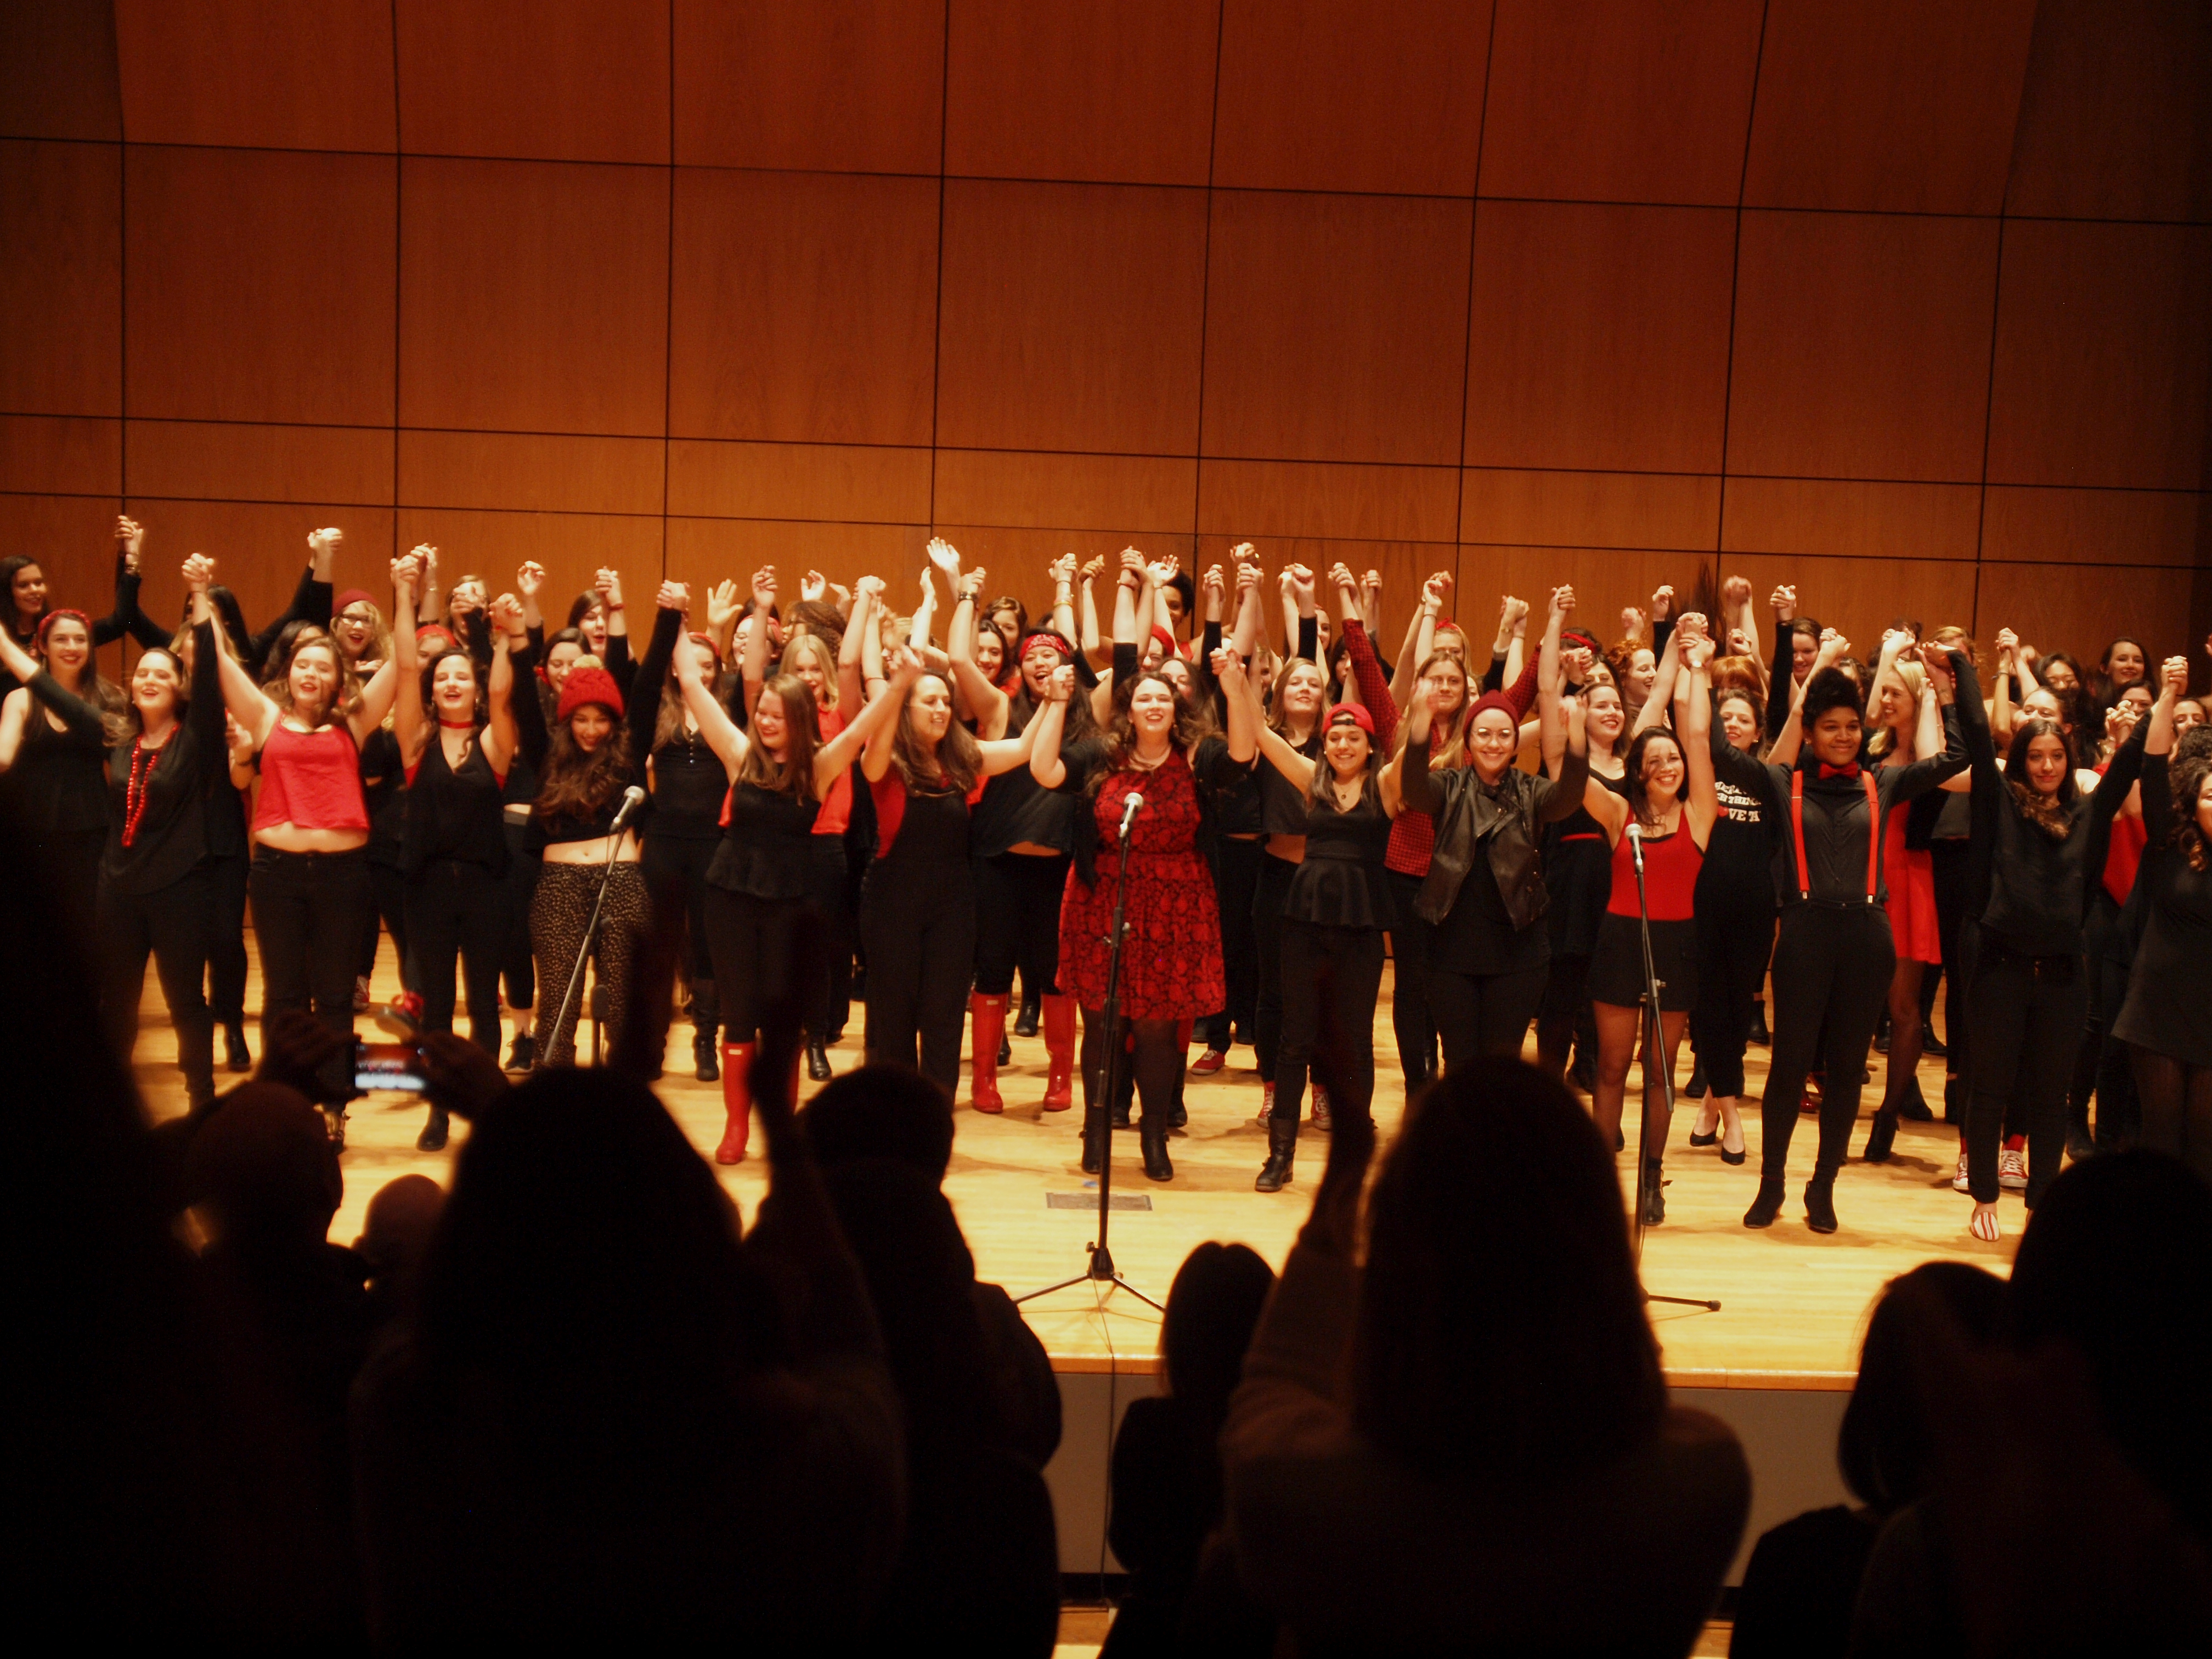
(1171, 958)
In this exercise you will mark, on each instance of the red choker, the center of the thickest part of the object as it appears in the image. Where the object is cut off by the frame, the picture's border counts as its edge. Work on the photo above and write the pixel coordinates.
(459, 725)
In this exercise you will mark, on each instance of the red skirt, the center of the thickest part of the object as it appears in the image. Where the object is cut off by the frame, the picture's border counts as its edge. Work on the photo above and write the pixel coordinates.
(1171, 961)
(1910, 875)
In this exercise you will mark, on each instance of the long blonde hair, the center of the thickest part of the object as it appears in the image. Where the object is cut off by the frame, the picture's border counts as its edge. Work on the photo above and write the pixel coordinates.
(1452, 751)
(1914, 678)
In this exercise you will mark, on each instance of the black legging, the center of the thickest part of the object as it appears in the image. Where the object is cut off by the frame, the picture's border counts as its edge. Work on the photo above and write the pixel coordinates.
(172, 925)
(1951, 864)
(1155, 1059)
(226, 943)
(2026, 1013)
(1235, 876)
(1484, 1014)
(917, 926)
(456, 909)
(1017, 922)
(1269, 891)
(2119, 1102)
(387, 892)
(516, 965)
(1733, 944)
(309, 909)
(1332, 978)
(2177, 1106)
(1832, 970)
(1413, 1020)
(830, 887)
(751, 941)
(1563, 1012)
(675, 874)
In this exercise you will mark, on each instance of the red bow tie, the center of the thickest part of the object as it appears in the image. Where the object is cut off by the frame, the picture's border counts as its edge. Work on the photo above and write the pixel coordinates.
(1828, 771)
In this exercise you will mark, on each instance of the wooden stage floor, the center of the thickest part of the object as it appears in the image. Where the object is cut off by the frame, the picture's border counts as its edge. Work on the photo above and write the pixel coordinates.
(1793, 1304)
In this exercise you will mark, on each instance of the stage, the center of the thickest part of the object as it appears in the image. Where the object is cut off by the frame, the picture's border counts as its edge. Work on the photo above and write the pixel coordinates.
(1777, 1360)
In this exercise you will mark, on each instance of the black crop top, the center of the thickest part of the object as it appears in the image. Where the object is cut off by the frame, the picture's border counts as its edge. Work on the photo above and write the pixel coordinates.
(641, 705)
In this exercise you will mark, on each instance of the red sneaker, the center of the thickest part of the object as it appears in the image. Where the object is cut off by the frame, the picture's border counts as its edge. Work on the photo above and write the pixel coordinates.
(1208, 1063)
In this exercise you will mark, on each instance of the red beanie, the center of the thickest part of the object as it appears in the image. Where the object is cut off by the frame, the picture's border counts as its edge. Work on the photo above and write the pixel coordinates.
(586, 685)
(352, 595)
(1358, 716)
(1498, 700)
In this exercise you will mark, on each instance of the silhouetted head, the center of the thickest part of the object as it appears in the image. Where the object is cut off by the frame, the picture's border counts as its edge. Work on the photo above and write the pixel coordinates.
(402, 1218)
(881, 1111)
(262, 1172)
(2116, 1261)
(1212, 1308)
(1501, 1329)
(1884, 1447)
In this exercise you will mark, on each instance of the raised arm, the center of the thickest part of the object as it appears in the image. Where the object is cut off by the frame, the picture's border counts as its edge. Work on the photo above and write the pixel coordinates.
(1047, 728)
(1274, 748)
(1244, 637)
(1240, 711)
(381, 687)
(1420, 634)
(1693, 722)
(251, 708)
(642, 702)
(1005, 754)
(127, 617)
(410, 724)
(509, 635)
(1664, 683)
(925, 615)
(1929, 771)
(1551, 683)
(852, 682)
(876, 752)
(723, 735)
(311, 600)
(1088, 640)
(1408, 770)
(754, 674)
(985, 701)
(831, 759)
(2173, 681)
(1783, 602)
(1782, 751)
(1063, 597)
(529, 582)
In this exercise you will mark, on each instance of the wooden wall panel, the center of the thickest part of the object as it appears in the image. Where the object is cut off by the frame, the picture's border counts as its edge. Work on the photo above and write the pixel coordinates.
(1072, 317)
(236, 460)
(536, 297)
(704, 552)
(1599, 336)
(58, 70)
(2084, 608)
(61, 284)
(1336, 328)
(73, 539)
(2092, 526)
(1320, 499)
(261, 285)
(1850, 518)
(863, 483)
(1340, 94)
(531, 471)
(1605, 580)
(259, 549)
(1059, 491)
(1512, 506)
(2102, 357)
(1861, 596)
(2114, 123)
(805, 307)
(60, 454)
(266, 73)
(844, 85)
(1887, 106)
(1861, 346)
(1619, 100)
(1120, 93)
(1403, 565)
(551, 80)
(570, 545)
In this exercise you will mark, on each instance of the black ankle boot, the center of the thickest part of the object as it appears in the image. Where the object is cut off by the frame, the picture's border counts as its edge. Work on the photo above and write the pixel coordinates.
(1094, 1139)
(705, 1057)
(1006, 1051)
(433, 1137)
(1025, 1023)
(818, 1062)
(234, 1053)
(1912, 1105)
(522, 1053)
(1820, 1201)
(1282, 1148)
(1882, 1137)
(1760, 1034)
(1153, 1141)
(1768, 1205)
(1655, 1194)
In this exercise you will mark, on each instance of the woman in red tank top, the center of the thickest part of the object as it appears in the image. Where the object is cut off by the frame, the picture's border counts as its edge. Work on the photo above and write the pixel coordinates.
(1672, 804)
(310, 881)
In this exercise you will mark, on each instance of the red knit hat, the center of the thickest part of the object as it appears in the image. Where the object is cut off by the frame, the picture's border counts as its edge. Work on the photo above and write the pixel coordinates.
(586, 685)
(351, 597)
(1498, 700)
(1359, 715)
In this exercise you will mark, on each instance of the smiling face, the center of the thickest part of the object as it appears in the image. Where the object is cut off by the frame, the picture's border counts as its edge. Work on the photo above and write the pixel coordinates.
(1300, 694)
(593, 628)
(1739, 722)
(771, 726)
(1836, 735)
(2204, 807)
(2042, 704)
(157, 687)
(559, 659)
(2138, 698)
(69, 647)
(2123, 663)
(1152, 710)
(28, 591)
(591, 725)
(804, 662)
(1493, 742)
(354, 629)
(2059, 674)
(1446, 685)
(1643, 673)
(1606, 717)
(2048, 762)
(313, 679)
(453, 688)
(2188, 716)
(1804, 649)
(1177, 672)
(990, 653)
(1038, 664)
(1450, 641)
(929, 710)
(1347, 747)
(1664, 770)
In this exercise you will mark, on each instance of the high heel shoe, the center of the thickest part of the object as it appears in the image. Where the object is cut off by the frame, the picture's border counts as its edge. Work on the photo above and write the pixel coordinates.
(1882, 1137)
(236, 1055)
(1768, 1205)
(1912, 1105)
(1026, 1021)
(1695, 1088)
(1707, 1136)
(1654, 1194)
(433, 1137)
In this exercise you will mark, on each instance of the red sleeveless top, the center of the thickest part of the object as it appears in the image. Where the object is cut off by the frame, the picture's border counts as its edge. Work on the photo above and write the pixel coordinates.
(1671, 864)
(311, 780)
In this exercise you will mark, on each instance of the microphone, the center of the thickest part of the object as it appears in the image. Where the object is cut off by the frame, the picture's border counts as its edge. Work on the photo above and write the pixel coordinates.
(633, 797)
(1130, 803)
(1636, 843)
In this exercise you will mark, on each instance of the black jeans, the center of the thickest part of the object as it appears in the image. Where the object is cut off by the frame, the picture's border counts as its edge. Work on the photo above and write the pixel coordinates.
(1733, 944)
(1017, 922)
(516, 965)
(1350, 959)
(1951, 864)
(830, 887)
(226, 947)
(917, 926)
(309, 909)
(1480, 1014)
(456, 909)
(387, 887)
(750, 940)
(1832, 969)
(1270, 891)
(675, 870)
(1235, 874)
(1412, 1019)
(2026, 1013)
(171, 924)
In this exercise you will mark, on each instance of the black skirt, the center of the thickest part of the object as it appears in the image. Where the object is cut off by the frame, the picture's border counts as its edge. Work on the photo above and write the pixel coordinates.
(1616, 974)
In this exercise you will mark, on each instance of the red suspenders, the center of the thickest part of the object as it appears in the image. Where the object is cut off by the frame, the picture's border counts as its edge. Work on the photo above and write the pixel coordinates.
(1874, 831)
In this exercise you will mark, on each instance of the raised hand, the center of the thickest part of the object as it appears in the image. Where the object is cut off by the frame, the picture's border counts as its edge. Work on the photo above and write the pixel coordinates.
(1633, 622)
(1515, 618)
(1941, 673)
(131, 537)
(1736, 594)
(1894, 642)
(1662, 602)
(1249, 576)
(1301, 584)
(944, 557)
(812, 586)
(1091, 569)
(764, 588)
(506, 615)
(723, 604)
(1834, 648)
(327, 540)
(1563, 602)
(407, 574)
(2008, 649)
(530, 580)
(1341, 579)
(1060, 685)
(972, 583)
(2120, 720)
(199, 573)
(674, 596)
(1162, 572)
(1739, 642)
(1784, 601)
(1062, 570)
(2173, 676)
(1214, 586)
(1133, 564)
(1228, 670)
(869, 587)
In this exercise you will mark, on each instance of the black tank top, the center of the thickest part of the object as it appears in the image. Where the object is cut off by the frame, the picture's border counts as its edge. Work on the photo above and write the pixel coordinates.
(454, 814)
(689, 785)
(767, 845)
(933, 831)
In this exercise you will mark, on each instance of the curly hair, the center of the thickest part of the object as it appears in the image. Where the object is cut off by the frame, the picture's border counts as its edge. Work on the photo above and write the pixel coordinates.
(2185, 775)
(1121, 732)
(579, 783)
(1639, 797)
(1830, 688)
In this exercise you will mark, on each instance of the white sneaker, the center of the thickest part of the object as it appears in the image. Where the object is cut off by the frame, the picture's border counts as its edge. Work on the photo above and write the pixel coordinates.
(2012, 1170)
(360, 994)
(1266, 1103)
(1959, 1182)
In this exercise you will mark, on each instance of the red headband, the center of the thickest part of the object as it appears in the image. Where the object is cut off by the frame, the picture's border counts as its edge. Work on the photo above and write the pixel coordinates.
(1352, 711)
(707, 639)
(1167, 639)
(53, 616)
(1040, 636)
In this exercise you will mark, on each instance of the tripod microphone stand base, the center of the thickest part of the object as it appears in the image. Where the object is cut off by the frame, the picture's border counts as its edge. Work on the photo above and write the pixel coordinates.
(1102, 1271)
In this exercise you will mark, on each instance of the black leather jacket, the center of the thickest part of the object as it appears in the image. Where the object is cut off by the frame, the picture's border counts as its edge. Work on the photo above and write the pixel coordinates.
(1506, 816)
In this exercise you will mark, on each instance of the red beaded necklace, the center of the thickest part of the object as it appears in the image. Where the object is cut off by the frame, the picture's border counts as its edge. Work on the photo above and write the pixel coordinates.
(135, 786)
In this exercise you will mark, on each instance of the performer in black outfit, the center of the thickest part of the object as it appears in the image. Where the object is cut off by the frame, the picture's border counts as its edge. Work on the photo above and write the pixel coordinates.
(1833, 957)
(1736, 932)
(53, 748)
(2039, 850)
(688, 787)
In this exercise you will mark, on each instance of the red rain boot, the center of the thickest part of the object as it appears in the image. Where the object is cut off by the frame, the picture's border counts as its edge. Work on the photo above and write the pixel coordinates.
(736, 1102)
(989, 1014)
(1060, 1045)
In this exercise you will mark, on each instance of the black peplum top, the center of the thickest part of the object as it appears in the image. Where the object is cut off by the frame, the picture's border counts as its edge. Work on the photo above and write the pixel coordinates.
(768, 844)
(1340, 884)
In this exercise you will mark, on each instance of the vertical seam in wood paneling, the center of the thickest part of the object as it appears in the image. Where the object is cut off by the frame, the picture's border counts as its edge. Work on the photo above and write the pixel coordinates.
(122, 338)
(668, 313)
(398, 270)
(1735, 283)
(937, 328)
(1988, 422)
(1206, 282)
(1466, 303)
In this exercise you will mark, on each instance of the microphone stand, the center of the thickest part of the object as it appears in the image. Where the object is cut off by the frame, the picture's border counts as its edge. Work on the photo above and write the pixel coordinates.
(591, 929)
(1101, 1269)
(1653, 1134)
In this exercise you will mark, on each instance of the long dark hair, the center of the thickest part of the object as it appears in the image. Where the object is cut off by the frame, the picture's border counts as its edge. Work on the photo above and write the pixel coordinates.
(430, 678)
(2053, 815)
(1639, 797)
(958, 762)
(1543, 1365)
(11, 568)
(1122, 735)
(794, 774)
(578, 783)
(1323, 791)
(1886, 1447)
